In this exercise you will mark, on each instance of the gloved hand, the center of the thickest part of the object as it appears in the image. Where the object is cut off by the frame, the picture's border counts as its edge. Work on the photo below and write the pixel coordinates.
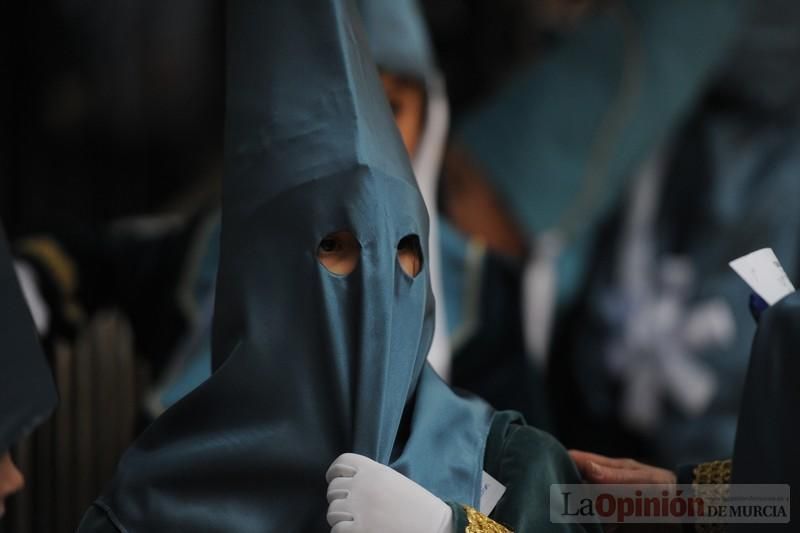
(366, 497)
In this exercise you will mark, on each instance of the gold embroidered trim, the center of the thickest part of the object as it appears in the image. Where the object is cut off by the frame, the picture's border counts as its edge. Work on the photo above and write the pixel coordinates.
(55, 260)
(480, 523)
(711, 481)
(713, 473)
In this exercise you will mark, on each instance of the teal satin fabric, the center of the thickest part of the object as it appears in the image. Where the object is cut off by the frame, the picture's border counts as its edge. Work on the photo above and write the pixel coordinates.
(308, 364)
(27, 391)
(398, 38)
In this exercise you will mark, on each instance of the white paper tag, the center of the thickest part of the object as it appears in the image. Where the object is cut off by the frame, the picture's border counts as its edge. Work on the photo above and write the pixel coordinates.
(762, 271)
(491, 492)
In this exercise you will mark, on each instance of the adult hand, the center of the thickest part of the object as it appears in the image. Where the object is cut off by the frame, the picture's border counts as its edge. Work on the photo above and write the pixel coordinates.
(599, 469)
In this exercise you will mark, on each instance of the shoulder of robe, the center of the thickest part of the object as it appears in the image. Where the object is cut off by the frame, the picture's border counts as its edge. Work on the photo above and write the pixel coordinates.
(514, 447)
(784, 316)
(527, 461)
(530, 450)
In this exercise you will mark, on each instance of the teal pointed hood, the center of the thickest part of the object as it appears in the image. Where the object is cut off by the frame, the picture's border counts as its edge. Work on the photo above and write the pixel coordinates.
(398, 38)
(308, 364)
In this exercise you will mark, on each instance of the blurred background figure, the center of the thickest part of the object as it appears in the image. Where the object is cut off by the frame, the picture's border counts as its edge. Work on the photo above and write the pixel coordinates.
(661, 337)
(537, 165)
(108, 110)
(27, 393)
(110, 153)
(616, 166)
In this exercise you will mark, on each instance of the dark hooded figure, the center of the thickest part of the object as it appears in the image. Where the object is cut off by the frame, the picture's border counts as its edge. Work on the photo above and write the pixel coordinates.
(27, 392)
(324, 318)
(767, 436)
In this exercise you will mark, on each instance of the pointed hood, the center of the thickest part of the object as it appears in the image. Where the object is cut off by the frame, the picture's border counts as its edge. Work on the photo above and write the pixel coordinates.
(398, 37)
(308, 364)
(27, 391)
(304, 103)
(333, 117)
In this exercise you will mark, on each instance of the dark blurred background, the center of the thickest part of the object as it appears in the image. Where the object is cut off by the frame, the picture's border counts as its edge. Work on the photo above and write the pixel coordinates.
(108, 109)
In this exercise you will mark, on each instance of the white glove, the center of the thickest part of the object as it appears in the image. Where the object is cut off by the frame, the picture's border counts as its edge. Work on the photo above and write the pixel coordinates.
(368, 497)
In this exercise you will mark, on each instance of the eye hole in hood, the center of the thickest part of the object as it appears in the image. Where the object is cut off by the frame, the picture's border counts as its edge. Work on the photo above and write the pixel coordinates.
(409, 255)
(339, 252)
